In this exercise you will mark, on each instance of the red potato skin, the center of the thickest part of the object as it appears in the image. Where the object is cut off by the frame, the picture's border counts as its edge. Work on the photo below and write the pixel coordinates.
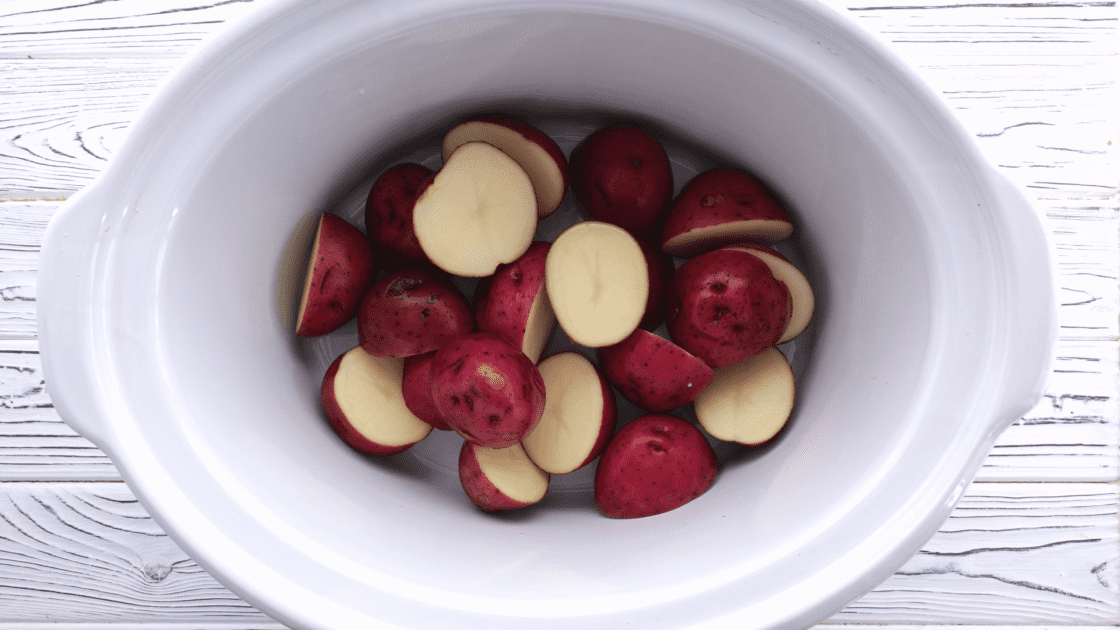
(621, 175)
(532, 134)
(725, 305)
(654, 373)
(341, 426)
(717, 197)
(487, 390)
(344, 269)
(502, 301)
(389, 213)
(412, 311)
(660, 270)
(654, 464)
(416, 387)
(481, 491)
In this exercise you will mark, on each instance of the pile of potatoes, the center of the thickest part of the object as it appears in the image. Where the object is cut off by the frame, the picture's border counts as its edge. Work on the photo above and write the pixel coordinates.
(429, 358)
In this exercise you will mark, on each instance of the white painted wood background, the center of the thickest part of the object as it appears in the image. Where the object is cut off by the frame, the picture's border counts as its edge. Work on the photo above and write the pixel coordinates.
(1035, 540)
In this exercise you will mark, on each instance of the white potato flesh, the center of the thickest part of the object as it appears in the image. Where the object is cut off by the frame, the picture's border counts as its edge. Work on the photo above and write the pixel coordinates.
(573, 414)
(547, 178)
(538, 327)
(310, 274)
(708, 238)
(479, 212)
(801, 294)
(368, 391)
(597, 280)
(748, 402)
(512, 472)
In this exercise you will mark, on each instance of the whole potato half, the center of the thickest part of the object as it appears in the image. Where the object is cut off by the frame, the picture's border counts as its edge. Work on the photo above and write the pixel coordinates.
(513, 303)
(654, 373)
(411, 311)
(726, 305)
(389, 213)
(487, 389)
(340, 270)
(621, 175)
(654, 464)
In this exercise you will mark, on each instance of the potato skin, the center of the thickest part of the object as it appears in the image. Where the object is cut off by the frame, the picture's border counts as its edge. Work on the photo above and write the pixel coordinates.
(487, 390)
(654, 464)
(717, 197)
(660, 270)
(416, 387)
(726, 305)
(481, 491)
(389, 213)
(502, 301)
(654, 373)
(622, 175)
(343, 270)
(411, 311)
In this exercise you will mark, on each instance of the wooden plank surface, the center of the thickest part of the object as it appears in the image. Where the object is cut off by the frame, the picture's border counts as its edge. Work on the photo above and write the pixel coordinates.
(1034, 541)
(74, 552)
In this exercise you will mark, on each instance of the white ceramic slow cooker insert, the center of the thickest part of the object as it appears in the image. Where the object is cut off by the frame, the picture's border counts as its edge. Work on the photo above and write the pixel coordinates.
(164, 344)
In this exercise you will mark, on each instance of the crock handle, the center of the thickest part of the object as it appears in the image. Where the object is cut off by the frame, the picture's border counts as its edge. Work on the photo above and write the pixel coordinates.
(1033, 289)
(65, 316)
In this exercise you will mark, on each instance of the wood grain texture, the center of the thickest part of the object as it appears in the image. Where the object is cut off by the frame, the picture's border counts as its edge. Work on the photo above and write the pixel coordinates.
(987, 582)
(1076, 431)
(61, 119)
(97, 28)
(88, 552)
(1034, 82)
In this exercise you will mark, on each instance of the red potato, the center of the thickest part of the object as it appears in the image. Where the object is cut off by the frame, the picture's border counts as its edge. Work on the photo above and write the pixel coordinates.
(389, 213)
(416, 387)
(487, 390)
(513, 303)
(801, 294)
(726, 305)
(579, 415)
(479, 211)
(654, 373)
(660, 268)
(720, 207)
(361, 395)
(340, 270)
(621, 175)
(748, 402)
(500, 478)
(654, 464)
(411, 311)
(532, 149)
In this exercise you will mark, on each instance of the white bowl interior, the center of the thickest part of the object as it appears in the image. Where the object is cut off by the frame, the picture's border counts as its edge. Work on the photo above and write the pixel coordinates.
(235, 416)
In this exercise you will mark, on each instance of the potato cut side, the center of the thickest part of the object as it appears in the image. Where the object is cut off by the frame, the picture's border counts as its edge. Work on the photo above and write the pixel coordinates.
(546, 175)
(570, 428)
(368, 391)
(597, 280)
(748, 402)
(512, 473)
(538, 327)
(800, 292)
(480, 211)
(705, 239)
(310, 274)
